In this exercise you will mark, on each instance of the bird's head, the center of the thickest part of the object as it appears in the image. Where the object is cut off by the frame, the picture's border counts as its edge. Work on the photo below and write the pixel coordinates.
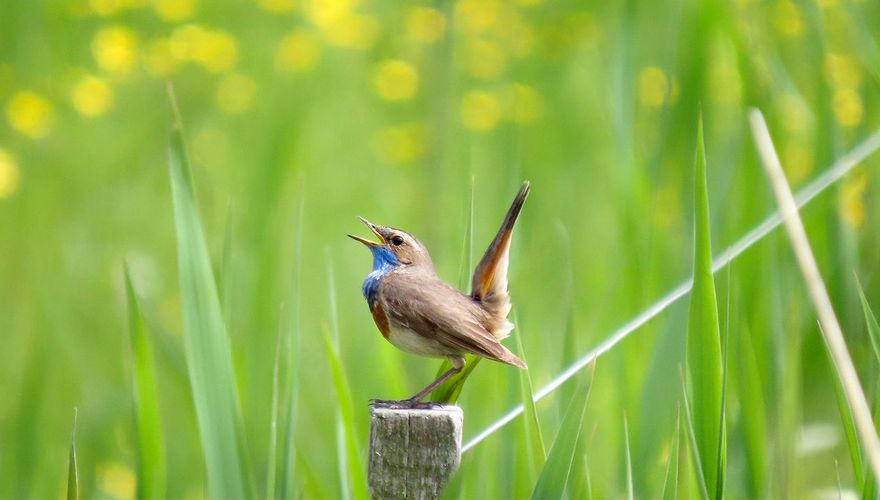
(395, 248)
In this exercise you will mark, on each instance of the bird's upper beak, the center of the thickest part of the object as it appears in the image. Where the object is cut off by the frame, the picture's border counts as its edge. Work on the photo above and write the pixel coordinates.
(377, 230)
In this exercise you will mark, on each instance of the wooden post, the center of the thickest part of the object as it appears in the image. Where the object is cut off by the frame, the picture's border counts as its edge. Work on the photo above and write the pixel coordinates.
(413, 452)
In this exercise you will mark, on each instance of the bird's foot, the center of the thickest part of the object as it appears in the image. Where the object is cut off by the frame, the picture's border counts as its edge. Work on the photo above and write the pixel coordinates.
(405, 404)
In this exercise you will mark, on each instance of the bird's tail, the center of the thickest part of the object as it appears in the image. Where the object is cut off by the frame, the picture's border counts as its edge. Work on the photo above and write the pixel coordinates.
(489, 285)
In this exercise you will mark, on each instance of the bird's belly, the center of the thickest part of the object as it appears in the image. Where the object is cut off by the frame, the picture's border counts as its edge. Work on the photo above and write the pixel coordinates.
(407, 340)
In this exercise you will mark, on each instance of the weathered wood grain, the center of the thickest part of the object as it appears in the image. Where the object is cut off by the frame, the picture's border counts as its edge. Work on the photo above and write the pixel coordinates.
(413, 452)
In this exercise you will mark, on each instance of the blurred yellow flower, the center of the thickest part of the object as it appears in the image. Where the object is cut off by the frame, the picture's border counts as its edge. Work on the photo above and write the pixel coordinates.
(653, 86)
(323, 13)
(485, 60)
(158, 58)
(793, 112)
(30, 114)
(91, 96)
(847, 106)
(399, 144)
(425, 24)
(842, 70)
(10, 176)
(851, 200)
(116, 479)
(395, 80)
(525, 104)
(115, 49)
(299, 50)
(236, 93)
(174, 10)
(478, 15)
(797, 160)
(788, 19)
(352, 31)
(216, 51)
(277, 6)
(529, 3)
(480, 110)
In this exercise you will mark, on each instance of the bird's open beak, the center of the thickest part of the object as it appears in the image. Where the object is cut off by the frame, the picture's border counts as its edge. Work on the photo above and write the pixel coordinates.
(377, 230)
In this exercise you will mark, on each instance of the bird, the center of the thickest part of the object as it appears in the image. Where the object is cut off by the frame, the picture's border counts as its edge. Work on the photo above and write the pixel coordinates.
(419, 313)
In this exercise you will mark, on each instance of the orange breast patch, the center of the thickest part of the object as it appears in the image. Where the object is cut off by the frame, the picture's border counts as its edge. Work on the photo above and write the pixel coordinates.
(381, 320)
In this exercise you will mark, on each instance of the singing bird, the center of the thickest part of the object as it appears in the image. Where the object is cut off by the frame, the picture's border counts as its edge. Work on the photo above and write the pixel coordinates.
(421, 314)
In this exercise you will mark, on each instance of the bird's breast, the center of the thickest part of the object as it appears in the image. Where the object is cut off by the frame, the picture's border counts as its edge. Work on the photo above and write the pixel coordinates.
(381, 319)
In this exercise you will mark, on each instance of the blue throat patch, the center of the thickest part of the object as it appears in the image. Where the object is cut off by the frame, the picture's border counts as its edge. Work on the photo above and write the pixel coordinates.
(384, 261)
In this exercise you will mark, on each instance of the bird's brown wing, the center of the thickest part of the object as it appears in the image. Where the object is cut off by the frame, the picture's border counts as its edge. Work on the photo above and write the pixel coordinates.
(433, 309)
(489, 284)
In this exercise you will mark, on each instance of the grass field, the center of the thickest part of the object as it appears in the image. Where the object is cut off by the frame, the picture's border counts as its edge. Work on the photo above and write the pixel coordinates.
(238, 357)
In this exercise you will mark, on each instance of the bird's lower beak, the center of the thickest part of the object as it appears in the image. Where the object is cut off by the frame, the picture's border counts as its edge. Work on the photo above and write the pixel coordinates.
(377, 230)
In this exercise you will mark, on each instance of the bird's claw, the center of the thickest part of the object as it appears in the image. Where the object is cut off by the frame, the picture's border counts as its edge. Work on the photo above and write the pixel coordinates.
(405, 404)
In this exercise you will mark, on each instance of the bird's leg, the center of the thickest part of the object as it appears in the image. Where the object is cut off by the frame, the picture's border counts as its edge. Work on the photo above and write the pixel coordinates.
(457, 365)
(415, 401)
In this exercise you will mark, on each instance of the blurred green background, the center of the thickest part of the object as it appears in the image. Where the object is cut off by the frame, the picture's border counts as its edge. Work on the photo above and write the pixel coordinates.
(302, 115)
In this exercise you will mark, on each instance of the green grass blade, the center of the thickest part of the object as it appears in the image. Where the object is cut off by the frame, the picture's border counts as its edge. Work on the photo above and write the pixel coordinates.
(534, 438)
(349, 449)
(847, 420)
(147, 419)
(704, 339)
(670, 483)
(273, 417)
(209, 360)
(692, 441)
(870, 484)
(72, 476)
(630, 494)
(357, 480)
(870, 322)
(288, 462)
(554, 476)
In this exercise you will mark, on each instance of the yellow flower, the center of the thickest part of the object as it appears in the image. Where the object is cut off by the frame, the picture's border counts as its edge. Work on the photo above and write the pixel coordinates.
(10, 177)
(215, 51)
(352, 31)
(425, 24)
(478, 15)
(277, 6)
(159, 61)
(299, 50)
(793, 112)
(116, 479)
(399, 144)
(91, 96)
(842, 70)
(485, 60)
(395, 80)
(323, 13)
(115, 49)
(218, 52)
(525, 104)
(851, 201)
(788, 19)
(30, 114)
(235, 93)
(653, 86)
(174, 10)
(480, 110)
(797, 160)
(847, 107)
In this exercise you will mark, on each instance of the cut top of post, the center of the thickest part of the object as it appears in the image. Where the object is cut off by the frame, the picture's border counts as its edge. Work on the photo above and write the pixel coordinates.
(413, 452)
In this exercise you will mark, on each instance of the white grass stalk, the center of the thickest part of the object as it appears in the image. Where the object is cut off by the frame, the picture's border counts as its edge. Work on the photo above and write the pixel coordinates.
(830, 327)
(836, 171)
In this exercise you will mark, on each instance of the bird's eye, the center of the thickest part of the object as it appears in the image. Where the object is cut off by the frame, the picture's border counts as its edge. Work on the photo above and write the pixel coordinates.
(397, 241)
